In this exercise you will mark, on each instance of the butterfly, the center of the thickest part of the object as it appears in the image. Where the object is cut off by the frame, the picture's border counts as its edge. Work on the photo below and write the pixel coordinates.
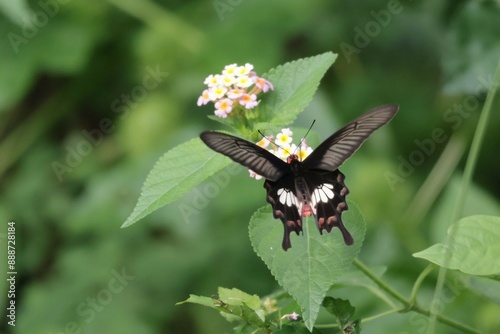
(314, 186)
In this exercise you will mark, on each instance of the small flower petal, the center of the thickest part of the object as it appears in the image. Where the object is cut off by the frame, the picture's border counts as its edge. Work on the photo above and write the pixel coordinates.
(204, 98)
(244, 81)
(244, 70)
(263, 84)
(235, 93)
(217, 92)
(265, 141)
(304, 152)
(284, 138)
(227, 80)
(249, 101)
(212, 80)
(225, 105)
(220, 113)
(292, 316)
(230, 69)
(285, 151)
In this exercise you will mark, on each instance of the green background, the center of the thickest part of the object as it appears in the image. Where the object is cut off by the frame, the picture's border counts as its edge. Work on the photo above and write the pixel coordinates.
(76, 90)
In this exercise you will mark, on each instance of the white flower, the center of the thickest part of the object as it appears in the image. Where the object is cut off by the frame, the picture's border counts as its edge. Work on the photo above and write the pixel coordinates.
(244, 70)
(265, 141)
(212, 80)
(304, 150)
(230, 69)
(227, 80)
(217, 92)
(285, 151)
(284, 138)
(244, 81)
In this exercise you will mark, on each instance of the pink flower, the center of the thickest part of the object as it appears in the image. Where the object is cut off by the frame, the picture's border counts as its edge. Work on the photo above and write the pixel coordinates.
(249, 101)
(204, 98)
(263, 84)
(223, 107)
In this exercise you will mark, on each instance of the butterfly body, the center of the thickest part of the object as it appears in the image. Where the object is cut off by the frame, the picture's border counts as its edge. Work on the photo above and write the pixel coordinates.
(312, 187)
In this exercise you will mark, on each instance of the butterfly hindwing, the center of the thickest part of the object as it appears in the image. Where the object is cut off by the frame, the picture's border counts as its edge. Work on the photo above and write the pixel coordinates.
(337, 148)
(328, 200)
(282, 196)
(247, 154)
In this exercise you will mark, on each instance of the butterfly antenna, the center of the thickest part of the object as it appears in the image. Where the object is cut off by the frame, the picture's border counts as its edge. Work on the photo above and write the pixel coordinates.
(264, 136)
(304, 138)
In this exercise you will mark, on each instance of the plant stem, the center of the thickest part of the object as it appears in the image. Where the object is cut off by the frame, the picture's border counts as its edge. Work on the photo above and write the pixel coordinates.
(462, 192)
(383, 314)
(408, 305)
(418, 282)
(396, 295)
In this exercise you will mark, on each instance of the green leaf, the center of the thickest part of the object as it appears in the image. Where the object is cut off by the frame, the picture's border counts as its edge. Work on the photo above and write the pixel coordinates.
(176, 172)
(294, 86)
(234, 305)
(474, 250)
(237, 297)
(308, 269)
(200, 300)
(340, 308)
(343, 311)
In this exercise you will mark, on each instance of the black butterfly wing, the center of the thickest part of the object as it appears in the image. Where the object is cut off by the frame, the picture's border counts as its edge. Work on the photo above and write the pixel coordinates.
(247, 154)
(282, 197)
(342, 144)
(328, 200)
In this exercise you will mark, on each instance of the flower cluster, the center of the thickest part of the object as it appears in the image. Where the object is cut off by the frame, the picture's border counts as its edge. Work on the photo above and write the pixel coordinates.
(236, 86)
(282, 147)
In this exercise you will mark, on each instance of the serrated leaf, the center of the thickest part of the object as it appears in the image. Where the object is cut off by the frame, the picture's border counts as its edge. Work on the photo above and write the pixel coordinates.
(294, 86)
(340, 308)
(475, 249)
(176, 172)
(308, 269)
(230, 308)
(237, 297)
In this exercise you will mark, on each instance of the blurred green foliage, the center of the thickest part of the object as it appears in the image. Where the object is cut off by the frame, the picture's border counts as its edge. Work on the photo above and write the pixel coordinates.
(93, 92)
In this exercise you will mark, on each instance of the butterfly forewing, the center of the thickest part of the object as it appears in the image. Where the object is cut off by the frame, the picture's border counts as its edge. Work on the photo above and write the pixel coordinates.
(247, 154)
(342, 144)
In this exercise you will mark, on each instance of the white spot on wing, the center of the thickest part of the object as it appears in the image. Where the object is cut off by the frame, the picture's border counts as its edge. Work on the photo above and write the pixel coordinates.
(286, 197)
(323, 193)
